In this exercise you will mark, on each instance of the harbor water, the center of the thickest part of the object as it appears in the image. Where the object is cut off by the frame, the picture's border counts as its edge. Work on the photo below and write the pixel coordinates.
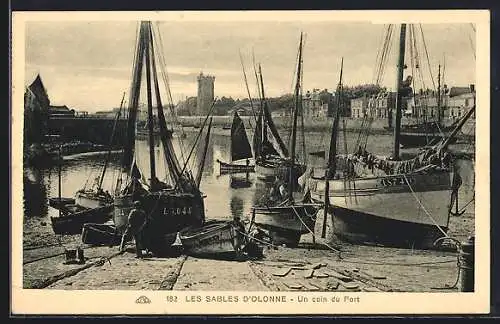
(226, 195)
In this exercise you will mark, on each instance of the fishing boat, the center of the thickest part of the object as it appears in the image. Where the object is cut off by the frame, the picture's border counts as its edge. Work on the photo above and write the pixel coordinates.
(290, 218)
(386, 200)
(71, 215)
(429, 128)
(241, 152)
(214, 237)
(272, 158)
(175, 202)
(96, 196)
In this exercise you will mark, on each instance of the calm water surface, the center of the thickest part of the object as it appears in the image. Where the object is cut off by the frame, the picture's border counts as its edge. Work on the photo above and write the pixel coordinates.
(223, 200)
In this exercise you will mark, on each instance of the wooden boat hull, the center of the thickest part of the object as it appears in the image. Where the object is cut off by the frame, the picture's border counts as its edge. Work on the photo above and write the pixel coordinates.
(100, 234)
(410, 140)
(215, 237)
(283, 222)
(169, 212)
(59, 203)
(362, 228)
(359, 206)
(92, 199)
(71, 223)
(238, 183)
(225, 168)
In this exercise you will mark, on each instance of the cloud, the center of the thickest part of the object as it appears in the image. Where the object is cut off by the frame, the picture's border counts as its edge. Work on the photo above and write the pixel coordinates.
(89, 64)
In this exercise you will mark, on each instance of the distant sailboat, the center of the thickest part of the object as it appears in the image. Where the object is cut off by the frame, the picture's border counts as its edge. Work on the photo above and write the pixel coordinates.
(241, 152)
(272, 160)
(96, 197)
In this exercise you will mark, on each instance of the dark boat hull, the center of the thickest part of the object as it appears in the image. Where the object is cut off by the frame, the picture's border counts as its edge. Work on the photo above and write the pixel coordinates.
(71, 223)
(362, 228)
(60, 202)
(169, 212)
(422, 134)
(100, 234)
(410, 140)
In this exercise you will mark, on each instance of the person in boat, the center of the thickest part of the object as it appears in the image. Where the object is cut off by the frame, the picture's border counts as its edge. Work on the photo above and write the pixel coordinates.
(137, 222)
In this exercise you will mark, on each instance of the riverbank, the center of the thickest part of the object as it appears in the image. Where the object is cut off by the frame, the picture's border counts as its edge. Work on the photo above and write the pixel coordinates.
(370, 268)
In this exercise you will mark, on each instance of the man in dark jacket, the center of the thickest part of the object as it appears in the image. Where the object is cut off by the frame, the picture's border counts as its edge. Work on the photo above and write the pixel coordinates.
(137, 221)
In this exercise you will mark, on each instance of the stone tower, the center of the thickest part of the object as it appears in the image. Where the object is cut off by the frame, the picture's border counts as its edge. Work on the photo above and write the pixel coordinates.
(205, 96)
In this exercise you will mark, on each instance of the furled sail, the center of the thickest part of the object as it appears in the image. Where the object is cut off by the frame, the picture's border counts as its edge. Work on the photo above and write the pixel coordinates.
(134, 100)
(240, 146)
(165, 133)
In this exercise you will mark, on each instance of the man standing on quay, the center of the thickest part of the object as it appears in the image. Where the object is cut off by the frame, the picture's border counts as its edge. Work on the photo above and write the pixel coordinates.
(137, 220)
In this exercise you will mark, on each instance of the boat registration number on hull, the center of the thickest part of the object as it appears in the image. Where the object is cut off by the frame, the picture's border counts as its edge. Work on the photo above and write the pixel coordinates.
(177, 211)
(397, 181)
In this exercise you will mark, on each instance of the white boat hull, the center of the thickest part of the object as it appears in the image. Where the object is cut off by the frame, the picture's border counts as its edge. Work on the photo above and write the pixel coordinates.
(91, 199)
(383, 209)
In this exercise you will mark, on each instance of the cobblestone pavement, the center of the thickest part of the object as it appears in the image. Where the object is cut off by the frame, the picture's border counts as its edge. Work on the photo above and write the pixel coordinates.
(209, 274)
(125, 272)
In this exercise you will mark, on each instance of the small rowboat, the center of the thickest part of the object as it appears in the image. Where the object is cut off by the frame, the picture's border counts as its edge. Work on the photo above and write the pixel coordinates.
(100, 234)
(225, 168)
(215, 237)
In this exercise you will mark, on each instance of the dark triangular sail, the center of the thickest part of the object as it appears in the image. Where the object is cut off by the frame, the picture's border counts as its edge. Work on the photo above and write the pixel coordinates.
(240, 146)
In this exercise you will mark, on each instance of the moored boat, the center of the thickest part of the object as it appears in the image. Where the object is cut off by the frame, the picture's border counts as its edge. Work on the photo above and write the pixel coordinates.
(287, 220)
(100, 234)
(174, 202)
(386, 200)
(241, 152)
(72, 218)
(214, 237)
(286, 223)
(272, 158)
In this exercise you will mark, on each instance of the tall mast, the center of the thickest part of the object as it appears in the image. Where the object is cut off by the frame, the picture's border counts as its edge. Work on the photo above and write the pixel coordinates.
(263, 103)
(297, 104)
(150, 111)
(108, 157)
(439, 95)
(332, 154)
(294, 124)
(399, 81)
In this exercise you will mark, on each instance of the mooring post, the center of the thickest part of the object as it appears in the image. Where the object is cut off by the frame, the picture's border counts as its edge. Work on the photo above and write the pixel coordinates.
(466, 265)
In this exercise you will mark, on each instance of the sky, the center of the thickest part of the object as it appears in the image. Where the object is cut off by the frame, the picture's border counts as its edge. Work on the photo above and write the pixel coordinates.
(87, 65)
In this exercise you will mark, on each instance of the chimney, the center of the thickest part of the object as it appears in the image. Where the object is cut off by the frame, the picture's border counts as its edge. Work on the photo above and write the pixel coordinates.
(472, 88)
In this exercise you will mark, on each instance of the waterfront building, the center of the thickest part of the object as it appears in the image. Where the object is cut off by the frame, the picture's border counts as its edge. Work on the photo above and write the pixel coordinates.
(359, 107)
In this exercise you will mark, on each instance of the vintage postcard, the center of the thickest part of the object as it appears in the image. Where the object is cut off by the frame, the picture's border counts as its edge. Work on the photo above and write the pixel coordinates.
(250, 162)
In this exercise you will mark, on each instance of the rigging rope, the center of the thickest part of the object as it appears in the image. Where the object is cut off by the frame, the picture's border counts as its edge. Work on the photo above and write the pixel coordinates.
(423, 207)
